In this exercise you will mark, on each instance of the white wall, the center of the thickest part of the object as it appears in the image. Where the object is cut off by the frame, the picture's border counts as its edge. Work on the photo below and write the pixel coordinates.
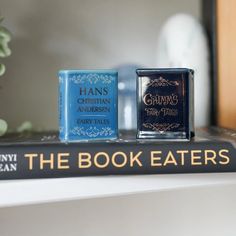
(49, 35)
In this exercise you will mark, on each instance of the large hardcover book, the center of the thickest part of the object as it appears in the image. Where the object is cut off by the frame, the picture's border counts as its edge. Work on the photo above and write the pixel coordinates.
(42, 155)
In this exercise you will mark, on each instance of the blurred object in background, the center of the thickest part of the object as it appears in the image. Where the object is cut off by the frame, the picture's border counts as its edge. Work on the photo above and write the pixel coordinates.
(127, 96)
(88, 36)
(5, 51)
(3, 127)
(182, 42)
(226, 63)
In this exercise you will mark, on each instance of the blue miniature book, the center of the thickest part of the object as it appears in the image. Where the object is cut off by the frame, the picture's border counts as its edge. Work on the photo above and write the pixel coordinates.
(88, 104)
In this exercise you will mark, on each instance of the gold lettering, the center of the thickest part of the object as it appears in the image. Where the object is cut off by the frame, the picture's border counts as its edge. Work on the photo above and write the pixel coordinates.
(227, 159)
(150, 99)
(61, 162)
(155, 159)
(147, 99)
(195, 158)
(182, 157)
(210, 158)
(106, 163)
(170, 159)
(31, 156)
(113, 159)
(135, 159)
(84, 160)
(45, 161)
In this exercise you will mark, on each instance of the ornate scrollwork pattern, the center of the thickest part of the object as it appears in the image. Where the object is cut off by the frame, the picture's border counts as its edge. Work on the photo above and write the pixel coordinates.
(161, 127)
(161, 82)
(92, 132)
(92, 78)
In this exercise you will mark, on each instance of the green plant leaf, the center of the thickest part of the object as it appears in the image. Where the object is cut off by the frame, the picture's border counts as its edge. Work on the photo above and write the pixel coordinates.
(5, 37)
(25, 126)
(5, 51)
(2, 69)
(3, 127)
(5, 34)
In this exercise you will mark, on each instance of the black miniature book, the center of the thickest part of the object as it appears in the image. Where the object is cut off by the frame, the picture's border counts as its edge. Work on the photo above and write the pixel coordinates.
(42, 155)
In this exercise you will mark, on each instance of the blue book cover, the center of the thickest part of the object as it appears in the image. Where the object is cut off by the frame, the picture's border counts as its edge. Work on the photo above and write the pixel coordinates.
(88, 104)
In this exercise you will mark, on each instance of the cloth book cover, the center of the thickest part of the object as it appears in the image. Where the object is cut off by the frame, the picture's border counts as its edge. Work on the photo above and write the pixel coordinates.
(42, 155)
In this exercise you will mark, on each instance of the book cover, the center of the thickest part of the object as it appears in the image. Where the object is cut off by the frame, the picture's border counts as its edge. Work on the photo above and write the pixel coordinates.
(42, 155)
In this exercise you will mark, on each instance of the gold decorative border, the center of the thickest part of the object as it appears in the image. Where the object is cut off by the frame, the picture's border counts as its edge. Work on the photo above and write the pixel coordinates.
(161, 82)
(161, 127)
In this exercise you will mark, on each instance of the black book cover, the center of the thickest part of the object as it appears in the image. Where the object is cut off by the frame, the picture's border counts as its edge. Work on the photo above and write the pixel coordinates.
(42, 155)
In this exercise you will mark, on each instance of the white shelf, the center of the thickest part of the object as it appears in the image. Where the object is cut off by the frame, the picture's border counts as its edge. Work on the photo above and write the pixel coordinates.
(27, 192)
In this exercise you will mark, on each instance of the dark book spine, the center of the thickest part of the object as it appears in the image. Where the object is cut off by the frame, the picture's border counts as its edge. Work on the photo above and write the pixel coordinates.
(61, 160)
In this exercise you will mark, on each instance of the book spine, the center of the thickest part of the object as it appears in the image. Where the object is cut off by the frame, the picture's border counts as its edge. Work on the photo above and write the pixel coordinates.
(60, 160)
(61, 102)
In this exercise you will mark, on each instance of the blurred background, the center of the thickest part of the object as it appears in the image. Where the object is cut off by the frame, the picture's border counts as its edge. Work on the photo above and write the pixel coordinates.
(48, 35)
(74, 34)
